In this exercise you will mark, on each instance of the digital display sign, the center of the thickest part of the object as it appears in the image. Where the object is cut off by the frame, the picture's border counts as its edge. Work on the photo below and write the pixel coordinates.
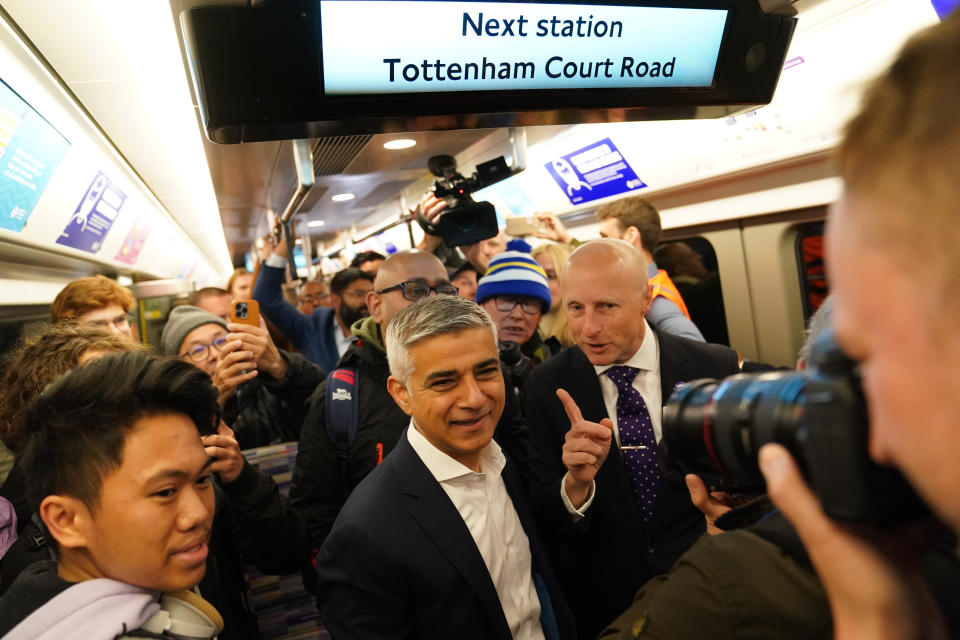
(416, 47)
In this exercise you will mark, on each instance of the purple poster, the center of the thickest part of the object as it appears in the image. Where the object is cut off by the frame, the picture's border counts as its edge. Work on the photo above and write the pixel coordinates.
(133, 244)
(93, 217)
(593, 172)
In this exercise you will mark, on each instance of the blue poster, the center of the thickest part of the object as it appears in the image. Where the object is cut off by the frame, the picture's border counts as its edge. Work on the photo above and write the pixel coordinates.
(93, 217)
(30, 151)
(593, 172)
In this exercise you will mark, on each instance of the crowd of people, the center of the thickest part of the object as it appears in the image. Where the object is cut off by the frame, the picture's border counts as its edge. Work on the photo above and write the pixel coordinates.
(479, 429)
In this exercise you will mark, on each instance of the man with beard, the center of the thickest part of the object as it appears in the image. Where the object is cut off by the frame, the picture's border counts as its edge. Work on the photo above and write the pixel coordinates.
(323, 336)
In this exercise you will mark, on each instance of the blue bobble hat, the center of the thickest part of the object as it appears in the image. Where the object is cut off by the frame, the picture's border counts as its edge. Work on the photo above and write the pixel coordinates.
(515, 273)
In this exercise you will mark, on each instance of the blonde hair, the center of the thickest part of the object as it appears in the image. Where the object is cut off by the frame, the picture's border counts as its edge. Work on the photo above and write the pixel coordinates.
(553, 324)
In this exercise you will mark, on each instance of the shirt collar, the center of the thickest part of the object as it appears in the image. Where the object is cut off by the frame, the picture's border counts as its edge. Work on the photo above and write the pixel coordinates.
(443, 467)
(647, 356)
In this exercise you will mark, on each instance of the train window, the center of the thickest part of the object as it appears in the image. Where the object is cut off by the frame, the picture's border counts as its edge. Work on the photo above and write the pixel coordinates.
(692, 265)
(813, 278)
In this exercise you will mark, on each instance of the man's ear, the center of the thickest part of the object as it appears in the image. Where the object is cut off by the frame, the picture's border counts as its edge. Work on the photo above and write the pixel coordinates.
(632, 235)
(375, 307)
(67, 519)
(648, 298)
(400, 394)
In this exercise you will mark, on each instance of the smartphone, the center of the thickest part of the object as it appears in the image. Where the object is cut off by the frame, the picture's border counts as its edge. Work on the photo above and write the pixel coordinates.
(524, 225)
(245, 312)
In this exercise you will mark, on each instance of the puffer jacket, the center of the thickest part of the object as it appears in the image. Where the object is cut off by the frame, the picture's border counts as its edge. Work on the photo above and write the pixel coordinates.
(265, 411)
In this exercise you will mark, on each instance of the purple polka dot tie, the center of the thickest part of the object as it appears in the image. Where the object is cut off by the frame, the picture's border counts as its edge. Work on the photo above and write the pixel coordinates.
(637, 440)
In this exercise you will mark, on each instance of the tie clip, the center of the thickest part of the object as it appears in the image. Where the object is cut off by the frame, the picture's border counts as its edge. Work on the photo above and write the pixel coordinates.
(631, 447)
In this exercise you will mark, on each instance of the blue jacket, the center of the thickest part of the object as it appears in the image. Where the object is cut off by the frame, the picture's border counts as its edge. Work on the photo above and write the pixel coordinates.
(314, 336)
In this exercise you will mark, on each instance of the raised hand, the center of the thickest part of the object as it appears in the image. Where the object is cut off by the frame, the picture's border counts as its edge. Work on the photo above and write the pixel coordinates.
(586, 447)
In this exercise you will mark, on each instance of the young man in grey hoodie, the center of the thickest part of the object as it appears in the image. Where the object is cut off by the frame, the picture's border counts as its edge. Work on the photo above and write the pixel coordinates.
(124, 484)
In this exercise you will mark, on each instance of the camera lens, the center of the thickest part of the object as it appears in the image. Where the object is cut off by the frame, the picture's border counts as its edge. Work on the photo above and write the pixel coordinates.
(715, 428)
(241, 310)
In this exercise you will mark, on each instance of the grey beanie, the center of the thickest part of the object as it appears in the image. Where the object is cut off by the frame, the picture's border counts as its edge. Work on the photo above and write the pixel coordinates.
(182, 321)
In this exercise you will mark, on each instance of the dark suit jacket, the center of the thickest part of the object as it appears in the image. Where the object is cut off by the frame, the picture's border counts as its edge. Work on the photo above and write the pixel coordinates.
(400, 561)
(604, 559)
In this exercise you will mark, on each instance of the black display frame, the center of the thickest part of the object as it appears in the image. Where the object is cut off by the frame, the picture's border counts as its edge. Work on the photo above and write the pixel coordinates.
(257, 72)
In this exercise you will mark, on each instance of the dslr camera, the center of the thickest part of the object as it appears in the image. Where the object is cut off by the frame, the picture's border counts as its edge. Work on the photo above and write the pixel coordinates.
(714, 428)
(465, 221)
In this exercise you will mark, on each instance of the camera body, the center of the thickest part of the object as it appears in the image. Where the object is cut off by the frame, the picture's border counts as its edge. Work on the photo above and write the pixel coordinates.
(465, 221)
(715, 429)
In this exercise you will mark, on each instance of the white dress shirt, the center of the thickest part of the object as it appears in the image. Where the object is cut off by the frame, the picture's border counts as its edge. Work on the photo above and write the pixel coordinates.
(485, 506)
(647, 382)
(343, 341)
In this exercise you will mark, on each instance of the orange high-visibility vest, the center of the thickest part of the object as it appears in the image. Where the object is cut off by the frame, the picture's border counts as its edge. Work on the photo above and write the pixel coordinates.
(663, 286)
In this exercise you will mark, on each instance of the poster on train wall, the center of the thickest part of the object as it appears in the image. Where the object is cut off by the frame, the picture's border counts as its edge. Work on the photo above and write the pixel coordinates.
(133, 244)
(30, 152)
(595, 171)
(94, 216)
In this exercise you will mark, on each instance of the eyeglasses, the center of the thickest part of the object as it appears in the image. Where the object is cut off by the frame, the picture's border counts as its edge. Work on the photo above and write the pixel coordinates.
(310, 299)
(201, 352)
(120, 322)
(414, 290)
(529, 306)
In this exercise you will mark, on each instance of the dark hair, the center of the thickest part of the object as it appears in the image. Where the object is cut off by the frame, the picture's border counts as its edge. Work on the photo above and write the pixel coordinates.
(77, 427)
(40, 360)
(635, 212)
(366, 256)
(343, 279)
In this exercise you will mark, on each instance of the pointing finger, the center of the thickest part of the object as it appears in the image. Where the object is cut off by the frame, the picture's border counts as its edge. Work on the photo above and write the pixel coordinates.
(573, 411)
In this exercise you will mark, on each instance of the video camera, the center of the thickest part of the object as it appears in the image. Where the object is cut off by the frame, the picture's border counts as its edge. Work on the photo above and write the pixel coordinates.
(465, 221)
(714, 428)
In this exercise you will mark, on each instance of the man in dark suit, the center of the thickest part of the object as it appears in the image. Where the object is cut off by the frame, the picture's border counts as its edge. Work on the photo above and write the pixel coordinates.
(438, 541)
(617, 520)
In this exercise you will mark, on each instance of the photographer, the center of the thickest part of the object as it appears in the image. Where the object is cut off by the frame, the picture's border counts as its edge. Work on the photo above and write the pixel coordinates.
(753, 578)
(895, 226)
(478, 254)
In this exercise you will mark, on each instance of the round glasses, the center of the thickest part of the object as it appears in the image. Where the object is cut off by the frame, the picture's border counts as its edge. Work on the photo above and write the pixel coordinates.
(414, 290)
(201, 352)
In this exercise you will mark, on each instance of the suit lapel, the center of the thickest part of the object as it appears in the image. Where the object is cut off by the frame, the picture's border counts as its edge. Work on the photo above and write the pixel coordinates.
(432, 509)
(672, 359)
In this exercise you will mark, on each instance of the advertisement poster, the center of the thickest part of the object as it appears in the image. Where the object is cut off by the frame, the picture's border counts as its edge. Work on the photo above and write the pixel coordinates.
(30, 151)
(133, 244)
(93, 217)
(593, 172)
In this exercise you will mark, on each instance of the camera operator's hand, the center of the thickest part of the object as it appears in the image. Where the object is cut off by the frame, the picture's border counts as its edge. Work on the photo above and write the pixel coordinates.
(257, 341)
(553, 228)
(712, 504)
(872, 579)
(586, 447)
(225, 451)
(431, 207)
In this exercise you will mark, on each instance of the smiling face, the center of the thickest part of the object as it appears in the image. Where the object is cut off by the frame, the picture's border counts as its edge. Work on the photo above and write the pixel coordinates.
(455, 393)
(909, 353)
(606, 296)
(151, 525)
(203, 336)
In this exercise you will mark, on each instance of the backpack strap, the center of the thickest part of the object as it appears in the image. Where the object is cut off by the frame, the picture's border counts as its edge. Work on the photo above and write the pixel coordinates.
(342, 416)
